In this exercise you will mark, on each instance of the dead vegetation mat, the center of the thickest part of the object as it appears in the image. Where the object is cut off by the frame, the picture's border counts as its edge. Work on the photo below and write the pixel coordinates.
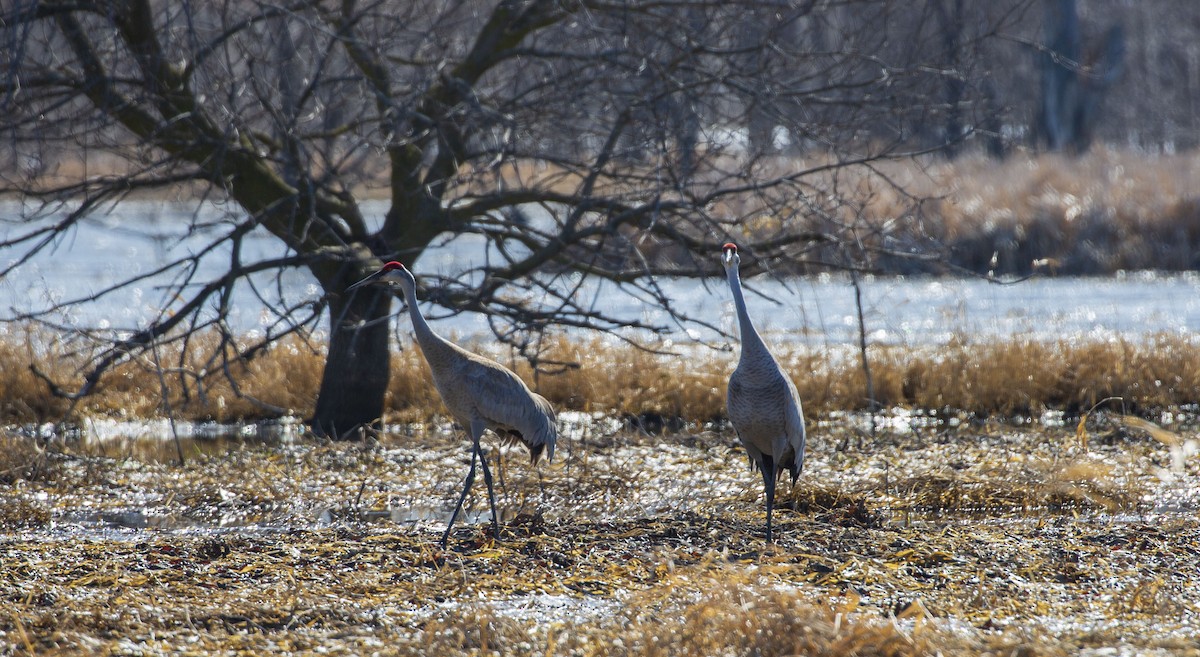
(984, 540)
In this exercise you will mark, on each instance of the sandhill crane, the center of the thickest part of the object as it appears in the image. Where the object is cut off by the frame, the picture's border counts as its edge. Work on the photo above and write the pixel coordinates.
(762, 401)
(480, 393)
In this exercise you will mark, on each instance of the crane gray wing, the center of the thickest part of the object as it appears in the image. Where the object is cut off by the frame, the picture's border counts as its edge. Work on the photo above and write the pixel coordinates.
(793, 426)
(509, 406)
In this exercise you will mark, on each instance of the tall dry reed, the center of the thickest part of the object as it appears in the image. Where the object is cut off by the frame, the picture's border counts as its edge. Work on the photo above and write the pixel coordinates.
(1007, 377)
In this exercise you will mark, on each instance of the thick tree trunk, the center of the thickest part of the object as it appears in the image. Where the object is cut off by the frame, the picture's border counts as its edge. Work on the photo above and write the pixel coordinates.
(356, 371)
(1074, 86)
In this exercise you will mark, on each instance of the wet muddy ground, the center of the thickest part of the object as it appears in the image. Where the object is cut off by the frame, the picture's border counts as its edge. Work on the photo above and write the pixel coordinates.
(960, 537)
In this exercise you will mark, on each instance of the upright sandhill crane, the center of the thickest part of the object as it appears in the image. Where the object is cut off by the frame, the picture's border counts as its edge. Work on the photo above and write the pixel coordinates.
(480, 393)
(762, 401)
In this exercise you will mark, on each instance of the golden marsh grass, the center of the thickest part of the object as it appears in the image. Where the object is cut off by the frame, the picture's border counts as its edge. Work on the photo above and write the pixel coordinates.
(1006, 378)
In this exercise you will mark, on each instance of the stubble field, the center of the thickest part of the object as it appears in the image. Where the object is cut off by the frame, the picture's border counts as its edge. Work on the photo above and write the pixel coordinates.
(935, 536)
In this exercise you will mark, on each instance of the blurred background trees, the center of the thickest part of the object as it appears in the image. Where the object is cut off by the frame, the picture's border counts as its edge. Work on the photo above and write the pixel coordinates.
(561, 140)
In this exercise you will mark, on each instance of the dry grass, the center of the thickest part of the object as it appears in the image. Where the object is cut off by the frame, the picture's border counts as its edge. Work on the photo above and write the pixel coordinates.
(1005, 378)
(732, 616)
(625, 380)
(670, 563)
(1072, 486)
(23, 397)
(1106, 211)
(1022, 377)
(1132, 187)
(735, 615)
(22, 459)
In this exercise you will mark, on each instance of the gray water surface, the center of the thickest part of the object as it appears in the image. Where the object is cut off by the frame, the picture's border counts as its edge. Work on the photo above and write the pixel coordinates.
(138, 238)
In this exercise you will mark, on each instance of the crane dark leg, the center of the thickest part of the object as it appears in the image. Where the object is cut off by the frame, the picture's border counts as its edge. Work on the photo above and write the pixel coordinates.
(487, 479)
(768, 473)
(463, 496)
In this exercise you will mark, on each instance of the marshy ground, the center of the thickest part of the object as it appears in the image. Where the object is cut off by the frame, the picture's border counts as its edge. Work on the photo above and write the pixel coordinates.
(941, 534)
(937, 535)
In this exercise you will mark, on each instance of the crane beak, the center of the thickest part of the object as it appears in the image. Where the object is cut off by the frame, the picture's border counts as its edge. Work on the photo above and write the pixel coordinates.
(373, 278)
(727, 256)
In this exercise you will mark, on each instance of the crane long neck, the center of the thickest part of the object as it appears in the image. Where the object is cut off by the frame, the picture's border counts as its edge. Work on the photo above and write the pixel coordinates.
(752, 343)
(432, 344)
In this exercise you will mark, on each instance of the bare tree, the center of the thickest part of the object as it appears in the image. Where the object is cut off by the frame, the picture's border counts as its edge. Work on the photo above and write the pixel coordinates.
(623, 124)
(1074, 86)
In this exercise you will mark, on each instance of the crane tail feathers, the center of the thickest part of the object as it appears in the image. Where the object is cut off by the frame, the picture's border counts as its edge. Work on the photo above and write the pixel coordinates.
(536, 450)
(535, 454)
